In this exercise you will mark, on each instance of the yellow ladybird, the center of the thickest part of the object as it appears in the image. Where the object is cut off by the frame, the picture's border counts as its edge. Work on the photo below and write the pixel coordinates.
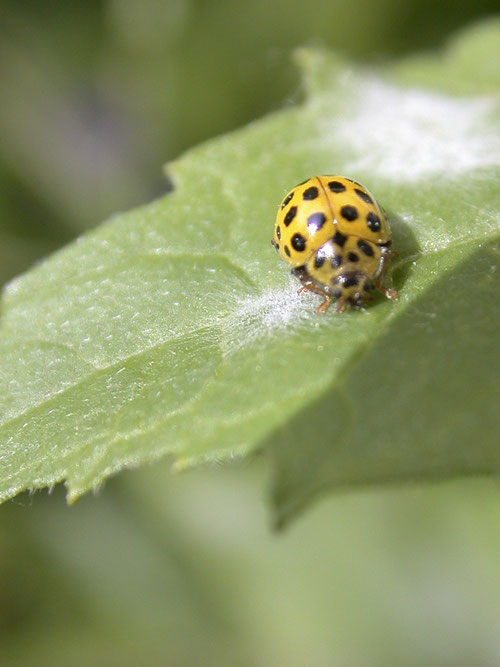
(336, 237)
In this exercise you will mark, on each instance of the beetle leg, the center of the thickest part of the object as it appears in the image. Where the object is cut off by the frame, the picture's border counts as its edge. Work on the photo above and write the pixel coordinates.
(323, 307)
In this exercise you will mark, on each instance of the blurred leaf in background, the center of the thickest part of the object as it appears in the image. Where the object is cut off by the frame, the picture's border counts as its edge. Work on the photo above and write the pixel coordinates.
(96, 95)
(158, 570)
(183, 571)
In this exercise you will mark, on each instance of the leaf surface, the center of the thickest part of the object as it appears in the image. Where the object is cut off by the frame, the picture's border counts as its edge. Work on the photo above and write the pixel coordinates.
(174, 328)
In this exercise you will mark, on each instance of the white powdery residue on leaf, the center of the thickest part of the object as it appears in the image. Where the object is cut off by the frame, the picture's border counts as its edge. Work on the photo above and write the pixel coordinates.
(260, 316)
(407, 134)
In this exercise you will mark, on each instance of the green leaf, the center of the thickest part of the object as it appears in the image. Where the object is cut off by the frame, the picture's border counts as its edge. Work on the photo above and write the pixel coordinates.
(174, 329)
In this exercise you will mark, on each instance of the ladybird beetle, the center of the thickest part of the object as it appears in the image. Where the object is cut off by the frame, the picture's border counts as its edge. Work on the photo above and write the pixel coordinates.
(336, 238)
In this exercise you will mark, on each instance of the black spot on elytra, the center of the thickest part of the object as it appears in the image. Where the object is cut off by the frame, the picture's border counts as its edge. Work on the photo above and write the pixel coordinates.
(287, 199)
(339, 239)
(352, 257)
(336, 186)
(292, 212)
(298, 242)
(310, 193)
(365, 248)
(278, 233)
(373, 222)
(319, 260)
(336, 261)
(287, 251)
(350, 281)
(349, 213)
(315, 221)
(363, 195)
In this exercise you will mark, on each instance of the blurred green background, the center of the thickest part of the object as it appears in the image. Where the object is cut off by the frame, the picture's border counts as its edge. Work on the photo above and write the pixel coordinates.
(163, 570)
